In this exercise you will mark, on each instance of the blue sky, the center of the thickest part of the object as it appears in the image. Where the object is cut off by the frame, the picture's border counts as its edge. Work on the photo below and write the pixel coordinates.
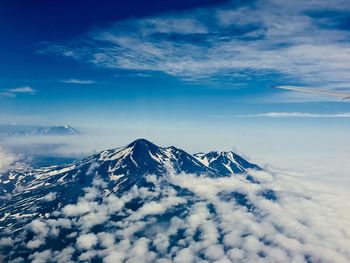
(177, 67)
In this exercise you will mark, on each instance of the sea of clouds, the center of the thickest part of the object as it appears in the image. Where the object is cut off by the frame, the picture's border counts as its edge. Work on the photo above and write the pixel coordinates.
(186, 218)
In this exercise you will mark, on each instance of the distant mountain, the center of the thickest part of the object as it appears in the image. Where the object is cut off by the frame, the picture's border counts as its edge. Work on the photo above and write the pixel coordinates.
(55, 130)
(26, 192)
(63, 130)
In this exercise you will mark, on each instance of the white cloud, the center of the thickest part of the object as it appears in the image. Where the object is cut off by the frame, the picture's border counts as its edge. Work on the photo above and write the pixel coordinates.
(6, 241)
(82, 207)
(7, 160)
(86, 241)
(50, 196)
(156, 207)
(113, 257)
(92, 168)
(249, 40)
(309, 220)
(87, 256)
(40, 229)
(140, 252)
(214, 252)
(55, 225)
(64, 255)
(184, 256)
(11, 93)
(298, 115)
(78, 81)
(180, 25)
(25, 89)
(41, 257)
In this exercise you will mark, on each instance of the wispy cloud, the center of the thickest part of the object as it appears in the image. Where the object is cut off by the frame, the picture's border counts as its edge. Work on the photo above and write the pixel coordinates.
(11, 93)
(297, 115)
(78, 81)
(288, 39)
(7, 94)
(25, 89)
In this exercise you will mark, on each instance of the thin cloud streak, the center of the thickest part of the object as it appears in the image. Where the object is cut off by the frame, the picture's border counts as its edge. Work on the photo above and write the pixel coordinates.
(78, 81)
(344, 96)
(25, 89)
(296, 115)
(11, 93)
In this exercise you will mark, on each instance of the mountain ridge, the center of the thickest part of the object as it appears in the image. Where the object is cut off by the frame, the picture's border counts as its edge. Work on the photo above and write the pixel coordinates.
(58, 130)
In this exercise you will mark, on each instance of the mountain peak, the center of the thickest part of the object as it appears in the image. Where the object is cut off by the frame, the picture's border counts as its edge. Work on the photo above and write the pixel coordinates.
(55, 130)
(141, 141)
(142, 147)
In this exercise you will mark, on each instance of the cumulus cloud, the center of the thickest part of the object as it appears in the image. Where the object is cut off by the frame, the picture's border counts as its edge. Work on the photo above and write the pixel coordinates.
(186, 218)
(41, 230)
(80, 208)
(6, 241)
(232, 40)
(50, 196)
(41, 257)
(86, 241)
(158, 207)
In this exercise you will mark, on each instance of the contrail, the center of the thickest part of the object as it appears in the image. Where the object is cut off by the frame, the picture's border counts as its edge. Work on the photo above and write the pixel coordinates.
(344, 96)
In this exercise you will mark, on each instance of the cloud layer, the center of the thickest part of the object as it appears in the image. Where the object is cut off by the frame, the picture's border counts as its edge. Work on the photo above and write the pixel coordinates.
(184, 218)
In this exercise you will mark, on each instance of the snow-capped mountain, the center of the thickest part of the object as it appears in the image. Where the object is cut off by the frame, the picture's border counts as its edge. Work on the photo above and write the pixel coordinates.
(126, 166)
(28, 193)
(120, 168)
(62, 130)
(55, 130)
